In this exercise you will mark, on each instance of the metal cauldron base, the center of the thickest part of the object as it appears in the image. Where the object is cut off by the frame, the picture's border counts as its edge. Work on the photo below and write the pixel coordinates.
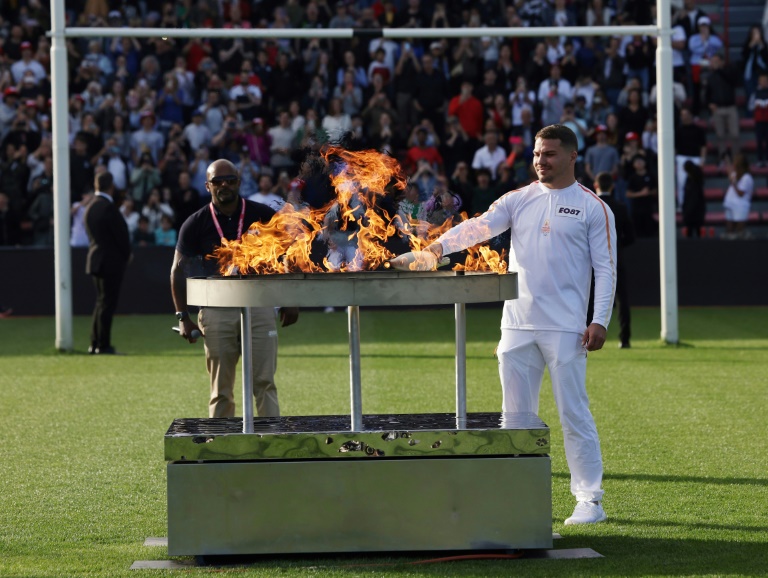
(486, 486)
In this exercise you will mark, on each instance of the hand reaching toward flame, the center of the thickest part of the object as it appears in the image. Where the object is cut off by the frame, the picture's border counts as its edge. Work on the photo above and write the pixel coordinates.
(417, 261)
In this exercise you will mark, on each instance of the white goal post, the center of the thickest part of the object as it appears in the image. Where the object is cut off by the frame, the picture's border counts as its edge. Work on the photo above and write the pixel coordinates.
(60, 116)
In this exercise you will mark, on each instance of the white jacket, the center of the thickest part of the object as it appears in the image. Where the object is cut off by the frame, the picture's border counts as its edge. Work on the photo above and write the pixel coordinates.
(558, 237)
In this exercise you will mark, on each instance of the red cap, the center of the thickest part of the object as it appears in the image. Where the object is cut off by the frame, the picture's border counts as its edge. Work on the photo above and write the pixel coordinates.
(26, 45)
(601, 128)
(515, 140)
(632, 136)
(11, 91)
(31, 104)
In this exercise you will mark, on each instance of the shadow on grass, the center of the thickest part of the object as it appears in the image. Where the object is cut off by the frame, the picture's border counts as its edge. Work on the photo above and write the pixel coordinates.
(679, 479)
(623, 555)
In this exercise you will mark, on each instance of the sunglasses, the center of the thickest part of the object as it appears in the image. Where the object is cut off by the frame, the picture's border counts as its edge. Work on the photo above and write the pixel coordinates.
(228, 179)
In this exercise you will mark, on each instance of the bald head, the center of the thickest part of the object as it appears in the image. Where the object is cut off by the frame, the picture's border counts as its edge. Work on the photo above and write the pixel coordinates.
(220, 167)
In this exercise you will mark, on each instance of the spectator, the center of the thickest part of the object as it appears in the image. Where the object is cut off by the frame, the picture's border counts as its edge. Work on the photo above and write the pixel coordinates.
(553, 93)
(639, 55)
(155, 207)
(130, 215)
(598, 14)
(10, 231)
(610, 73)
(147, 139)
(738, 198)
(185, 200)
(145, 177)
(143, 236)
(642, 192)
(758, 104)
(490, 155)
(634, 115)
(468, 110)
(443, 205)
(350, 95)
(506, 71)
(409, 209)
(519, 162)
(249, 174)
(169, 104)
(267, 195)
(688, 17)
(484, 193)
(694, 203)
(754, 58)
(581, 130)
(462, 185)
(625, 236)
(457, 146)
(81, 170)
(429, 93)
(27, 63)
(196, 134)
(8, 108)
(41, 208)
(422, 151)
(246, 94)
(425, 178)
(336, 123)
(720, 98)
(601, 157)
(116, 165)
(385, 138)
(702, 46)
(165, 234)
(466, 61)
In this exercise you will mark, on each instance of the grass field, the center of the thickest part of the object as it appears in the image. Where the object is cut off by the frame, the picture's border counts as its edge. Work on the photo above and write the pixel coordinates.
(685, 444)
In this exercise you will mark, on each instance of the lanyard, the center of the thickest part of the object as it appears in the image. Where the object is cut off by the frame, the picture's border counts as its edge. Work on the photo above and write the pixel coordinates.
(239, 224)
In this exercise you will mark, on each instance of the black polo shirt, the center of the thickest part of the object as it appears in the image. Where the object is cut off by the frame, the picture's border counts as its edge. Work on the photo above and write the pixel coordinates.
(198, 236)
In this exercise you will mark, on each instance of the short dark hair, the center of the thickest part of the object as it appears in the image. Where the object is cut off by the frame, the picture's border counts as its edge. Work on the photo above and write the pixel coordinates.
(104, 181)
(604, 182)
(559, 132)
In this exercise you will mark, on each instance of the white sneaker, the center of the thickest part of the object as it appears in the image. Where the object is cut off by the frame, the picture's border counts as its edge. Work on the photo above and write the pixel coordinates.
(586, 513)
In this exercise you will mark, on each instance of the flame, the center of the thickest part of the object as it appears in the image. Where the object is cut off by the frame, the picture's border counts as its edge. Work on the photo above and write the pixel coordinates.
(354, 226)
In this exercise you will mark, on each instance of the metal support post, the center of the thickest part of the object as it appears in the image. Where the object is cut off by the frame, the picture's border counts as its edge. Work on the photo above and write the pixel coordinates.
(355, 379)
(461, 364)
(247, 360)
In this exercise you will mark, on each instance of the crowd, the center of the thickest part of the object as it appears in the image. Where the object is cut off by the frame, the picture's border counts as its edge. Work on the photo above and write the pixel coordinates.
(460, 114)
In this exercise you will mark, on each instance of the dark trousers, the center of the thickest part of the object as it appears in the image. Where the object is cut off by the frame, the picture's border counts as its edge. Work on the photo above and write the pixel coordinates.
(761, 135)
(107, 294)
(621, 302)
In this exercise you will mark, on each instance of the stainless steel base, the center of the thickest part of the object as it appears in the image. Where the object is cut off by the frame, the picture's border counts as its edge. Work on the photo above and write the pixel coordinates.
(359, 505)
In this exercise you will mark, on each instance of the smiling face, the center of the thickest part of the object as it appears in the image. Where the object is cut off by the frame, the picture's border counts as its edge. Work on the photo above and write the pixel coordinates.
(554, 164)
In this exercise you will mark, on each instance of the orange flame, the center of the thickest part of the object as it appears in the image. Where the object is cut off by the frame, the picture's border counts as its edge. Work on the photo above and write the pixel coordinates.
(354, 226)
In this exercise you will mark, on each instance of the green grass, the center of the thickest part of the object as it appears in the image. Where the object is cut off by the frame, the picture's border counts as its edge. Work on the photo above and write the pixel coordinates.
(82, 481)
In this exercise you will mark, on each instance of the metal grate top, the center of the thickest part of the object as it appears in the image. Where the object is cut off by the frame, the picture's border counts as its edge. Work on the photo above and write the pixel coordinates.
(392, 435)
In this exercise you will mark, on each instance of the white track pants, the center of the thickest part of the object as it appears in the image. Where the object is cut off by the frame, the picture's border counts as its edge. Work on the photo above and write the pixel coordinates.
(522, 357)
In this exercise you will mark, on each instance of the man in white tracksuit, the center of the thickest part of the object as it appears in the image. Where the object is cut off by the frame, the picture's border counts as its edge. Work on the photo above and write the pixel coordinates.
(560, 231)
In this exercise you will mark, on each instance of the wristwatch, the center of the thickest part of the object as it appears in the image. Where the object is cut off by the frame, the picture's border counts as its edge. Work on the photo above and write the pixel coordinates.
(182, 315)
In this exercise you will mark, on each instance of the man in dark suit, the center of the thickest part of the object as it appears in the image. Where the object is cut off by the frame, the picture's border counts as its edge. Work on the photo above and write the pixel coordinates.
(625, 236)
(109, 251)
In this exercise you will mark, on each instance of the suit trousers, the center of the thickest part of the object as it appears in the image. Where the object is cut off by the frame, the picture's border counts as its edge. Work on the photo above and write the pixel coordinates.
(222, 331)
(107, 295)
(523, 355)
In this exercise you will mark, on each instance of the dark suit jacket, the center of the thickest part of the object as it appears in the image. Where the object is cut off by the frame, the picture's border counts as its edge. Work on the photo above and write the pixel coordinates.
(109, 244)
(625, 232)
